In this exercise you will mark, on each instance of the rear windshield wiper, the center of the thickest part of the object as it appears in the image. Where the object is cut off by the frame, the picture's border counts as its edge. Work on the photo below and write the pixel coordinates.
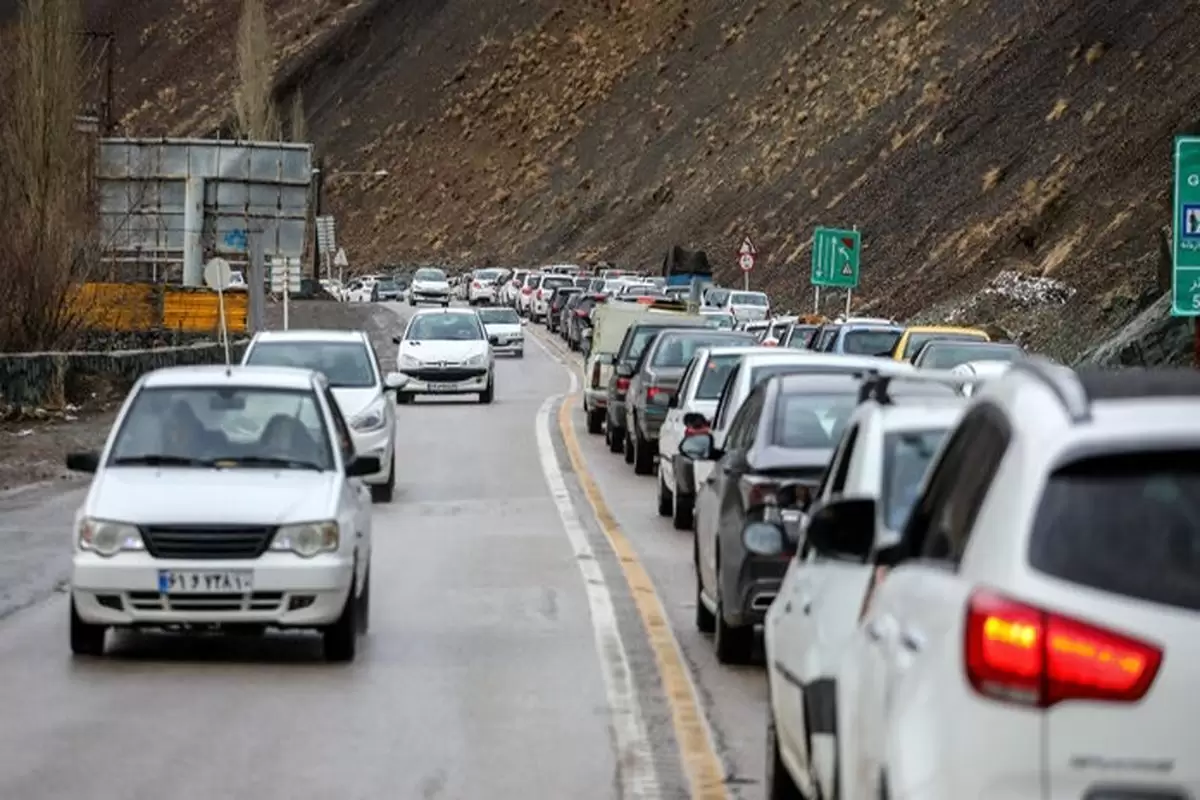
(265, 461)
(159, 460)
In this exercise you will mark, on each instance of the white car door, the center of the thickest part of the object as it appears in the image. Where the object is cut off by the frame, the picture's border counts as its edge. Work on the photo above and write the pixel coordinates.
(670, 434)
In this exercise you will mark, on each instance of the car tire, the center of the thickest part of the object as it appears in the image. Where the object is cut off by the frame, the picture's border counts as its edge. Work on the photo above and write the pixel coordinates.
(382, 493)
(364, 605)
(705, 621)
(340, 640)
(683, 511)
(780, 785)
(87, 639)
(446, 304)
(488, 394)
(643, 455)
(733, 645)
(595, 421)
(616, 439)
(666, 499)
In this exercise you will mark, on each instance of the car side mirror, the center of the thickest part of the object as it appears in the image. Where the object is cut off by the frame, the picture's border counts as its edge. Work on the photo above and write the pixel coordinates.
(694, 419)
(83, 462)
(394, 381)
(764, 539)
(363, 465)
(397, 339)
(843, 527)
(698, 446)
(524, 321)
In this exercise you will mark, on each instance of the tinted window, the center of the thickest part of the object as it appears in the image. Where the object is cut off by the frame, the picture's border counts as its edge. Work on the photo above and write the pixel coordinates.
(499, 316)
(720, 321)
(639, 337)
(386, 285)
(949, 355)
(867, 342)
(429, 274)
(459, 327)
(760, 374)
(676, 350)
(716, 372)
(749, 299)
(906, 457)
(916, 340)
(345, 364)
(810, 420)
(533, 281)
(554, 281)
(1127, 524)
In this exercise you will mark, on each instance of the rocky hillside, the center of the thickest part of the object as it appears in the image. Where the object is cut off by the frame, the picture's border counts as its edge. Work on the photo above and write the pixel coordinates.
(1008, 160)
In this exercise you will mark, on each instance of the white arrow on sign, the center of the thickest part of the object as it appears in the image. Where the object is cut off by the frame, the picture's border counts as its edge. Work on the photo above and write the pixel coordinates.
(340, 259)
(747, 248)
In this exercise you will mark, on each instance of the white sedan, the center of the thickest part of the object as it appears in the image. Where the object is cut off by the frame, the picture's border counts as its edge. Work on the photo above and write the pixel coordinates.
(446, 352)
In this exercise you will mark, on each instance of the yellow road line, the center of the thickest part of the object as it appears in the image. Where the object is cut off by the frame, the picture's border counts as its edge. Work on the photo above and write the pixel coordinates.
(705, 773)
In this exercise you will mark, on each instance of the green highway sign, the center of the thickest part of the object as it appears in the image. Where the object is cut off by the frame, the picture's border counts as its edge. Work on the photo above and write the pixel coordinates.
(835, 258)
(1185, 280)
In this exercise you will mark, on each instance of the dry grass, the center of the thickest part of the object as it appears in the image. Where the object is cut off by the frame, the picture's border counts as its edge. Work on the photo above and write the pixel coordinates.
(253, 100)
(49, 245)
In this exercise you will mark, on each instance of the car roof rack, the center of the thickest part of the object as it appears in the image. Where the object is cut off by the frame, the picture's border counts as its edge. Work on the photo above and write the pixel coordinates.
(1062, 381)
(876, 385)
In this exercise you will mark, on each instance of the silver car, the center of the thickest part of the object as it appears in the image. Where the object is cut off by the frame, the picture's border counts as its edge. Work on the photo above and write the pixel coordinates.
(224, 496)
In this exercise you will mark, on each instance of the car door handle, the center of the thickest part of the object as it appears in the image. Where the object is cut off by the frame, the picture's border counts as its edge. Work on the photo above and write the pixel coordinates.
(912, 640)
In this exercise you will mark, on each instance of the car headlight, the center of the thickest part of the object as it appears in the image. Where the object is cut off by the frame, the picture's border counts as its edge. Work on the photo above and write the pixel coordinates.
(307, 539)
(476, 360)
(409, 361)
(372, 418)
(107, 538)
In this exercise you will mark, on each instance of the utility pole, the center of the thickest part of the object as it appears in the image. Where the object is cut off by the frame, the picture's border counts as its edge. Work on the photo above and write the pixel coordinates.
(318, 190)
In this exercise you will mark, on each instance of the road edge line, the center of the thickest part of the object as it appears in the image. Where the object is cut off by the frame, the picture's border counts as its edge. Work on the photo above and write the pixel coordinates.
(634, 755)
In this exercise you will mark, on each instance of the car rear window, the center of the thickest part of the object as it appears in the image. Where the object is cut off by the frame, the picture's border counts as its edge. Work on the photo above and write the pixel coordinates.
(949, 355)
(749, 299)
(906, 457)
(1126, 524)
(533, 281)
(554, 281)
(868, 342)
(677, 350)
(716, 372)
(811, 421)
(916, 340)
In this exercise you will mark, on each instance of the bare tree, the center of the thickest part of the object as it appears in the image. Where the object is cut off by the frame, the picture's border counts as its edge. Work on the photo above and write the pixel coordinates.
(299, 123)
(49, 244)
(254, 99)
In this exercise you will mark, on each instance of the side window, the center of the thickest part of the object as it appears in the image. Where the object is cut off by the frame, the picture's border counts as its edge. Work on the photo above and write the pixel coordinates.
(722, 414)
(842, 470)
(624, 348)
(345, 443)
(745, 422)
(685, 380)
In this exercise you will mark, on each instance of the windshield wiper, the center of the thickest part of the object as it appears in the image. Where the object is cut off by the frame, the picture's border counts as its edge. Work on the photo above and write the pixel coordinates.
(159, 460)
(266, 461)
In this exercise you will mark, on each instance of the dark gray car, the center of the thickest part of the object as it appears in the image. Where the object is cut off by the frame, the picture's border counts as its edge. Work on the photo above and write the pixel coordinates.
(948, 354)
(655, 382)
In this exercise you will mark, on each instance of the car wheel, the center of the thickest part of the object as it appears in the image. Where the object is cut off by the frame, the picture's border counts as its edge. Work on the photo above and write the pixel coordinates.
(87, 639)
(487, 394)
(616, 439)
(705, 621)
(382, 493)
(412, 302)
(627, 447)
(682, 517)
(733, 645)
(446, 304)
(340, 640)
(595, 421)
(643, 455)
(364, 604)
(780, 785)
(666, 500)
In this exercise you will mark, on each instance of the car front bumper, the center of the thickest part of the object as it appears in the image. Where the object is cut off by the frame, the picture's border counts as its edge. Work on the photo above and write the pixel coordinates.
(375, 443)
(430, 297)
(465, 380)
(288, 591)
(512, 344)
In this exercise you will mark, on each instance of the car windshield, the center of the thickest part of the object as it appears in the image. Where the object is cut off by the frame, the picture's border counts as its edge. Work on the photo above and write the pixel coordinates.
(429, 274)
(677, 349)
(716, 372)
(208, 426)
(499, 316)
(906, 457)
(947, 355)
(869, 342)
(345, 364)
(749, 299)
(487, 274)
(642, 335)
(917, 340)
(444, 327)
(386, 285)
(812, 421)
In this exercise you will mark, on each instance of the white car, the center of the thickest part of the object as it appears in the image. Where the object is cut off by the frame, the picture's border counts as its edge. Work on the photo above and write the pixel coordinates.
(981, 371)
(694, 404)
(446, 352)
(510, 290)
(1035, 633)
(362, 390)
(360, 290)
(748, 306)
(533, 282)
(224, 497)
(539, 305)
(429, 285)
(505, 329)
(481, 286)
(888, 443)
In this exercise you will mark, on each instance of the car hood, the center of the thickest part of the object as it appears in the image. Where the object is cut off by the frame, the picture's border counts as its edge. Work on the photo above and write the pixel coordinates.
(353, 401)
(502, 328)
(443, 350)
(170, 495)
(431, 286)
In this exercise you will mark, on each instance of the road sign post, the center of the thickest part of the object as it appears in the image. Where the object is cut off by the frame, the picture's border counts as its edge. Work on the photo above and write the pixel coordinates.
(835, 262)
(746, 259)
(285, 280)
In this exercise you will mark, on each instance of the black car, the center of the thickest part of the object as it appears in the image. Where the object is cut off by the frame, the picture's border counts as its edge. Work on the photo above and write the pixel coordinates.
(948, 353)
(558, 299)
(782, 438)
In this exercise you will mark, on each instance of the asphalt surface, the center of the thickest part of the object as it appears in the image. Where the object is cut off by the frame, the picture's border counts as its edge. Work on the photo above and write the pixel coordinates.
(486, 672)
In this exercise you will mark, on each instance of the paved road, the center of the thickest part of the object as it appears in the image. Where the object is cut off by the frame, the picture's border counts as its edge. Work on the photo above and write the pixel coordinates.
(508, 656)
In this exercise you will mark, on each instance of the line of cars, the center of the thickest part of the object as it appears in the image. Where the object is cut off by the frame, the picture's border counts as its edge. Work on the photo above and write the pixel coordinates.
(976, 572)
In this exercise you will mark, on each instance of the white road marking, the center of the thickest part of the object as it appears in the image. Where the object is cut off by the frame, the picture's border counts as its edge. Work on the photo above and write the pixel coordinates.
(635, 764)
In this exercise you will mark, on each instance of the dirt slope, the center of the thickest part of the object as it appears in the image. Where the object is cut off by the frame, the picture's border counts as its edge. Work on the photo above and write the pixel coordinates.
(1008, 160)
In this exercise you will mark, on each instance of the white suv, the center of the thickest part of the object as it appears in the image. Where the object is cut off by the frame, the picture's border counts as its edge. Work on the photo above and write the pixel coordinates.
(1035, 632)
(887, 446)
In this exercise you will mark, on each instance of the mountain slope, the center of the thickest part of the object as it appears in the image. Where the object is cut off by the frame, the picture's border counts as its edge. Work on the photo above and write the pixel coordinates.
(1007, 160)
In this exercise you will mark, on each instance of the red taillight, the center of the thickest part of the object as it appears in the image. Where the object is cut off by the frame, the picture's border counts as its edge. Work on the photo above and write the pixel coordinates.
(539, 294)
(1022, 654)
(526, 290)
(657, 395)
(758, 491)
(690, 431)
(579, 312)
(622, 384)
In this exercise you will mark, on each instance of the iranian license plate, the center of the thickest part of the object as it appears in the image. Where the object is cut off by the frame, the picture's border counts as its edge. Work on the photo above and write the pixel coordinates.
(442, 387)
(172, 581)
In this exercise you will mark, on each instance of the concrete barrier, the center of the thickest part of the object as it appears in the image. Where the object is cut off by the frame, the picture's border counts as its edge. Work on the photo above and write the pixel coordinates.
(52, 380)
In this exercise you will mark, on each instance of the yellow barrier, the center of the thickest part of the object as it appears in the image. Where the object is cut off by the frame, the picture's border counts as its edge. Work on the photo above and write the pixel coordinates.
(146, 307)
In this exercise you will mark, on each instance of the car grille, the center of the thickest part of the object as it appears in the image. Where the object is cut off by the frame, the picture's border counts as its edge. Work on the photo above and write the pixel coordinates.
(445, 375)
(254, 601)
(207, 541)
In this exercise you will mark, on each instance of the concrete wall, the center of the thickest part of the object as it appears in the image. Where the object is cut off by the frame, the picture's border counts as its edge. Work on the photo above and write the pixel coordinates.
(31, 380)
